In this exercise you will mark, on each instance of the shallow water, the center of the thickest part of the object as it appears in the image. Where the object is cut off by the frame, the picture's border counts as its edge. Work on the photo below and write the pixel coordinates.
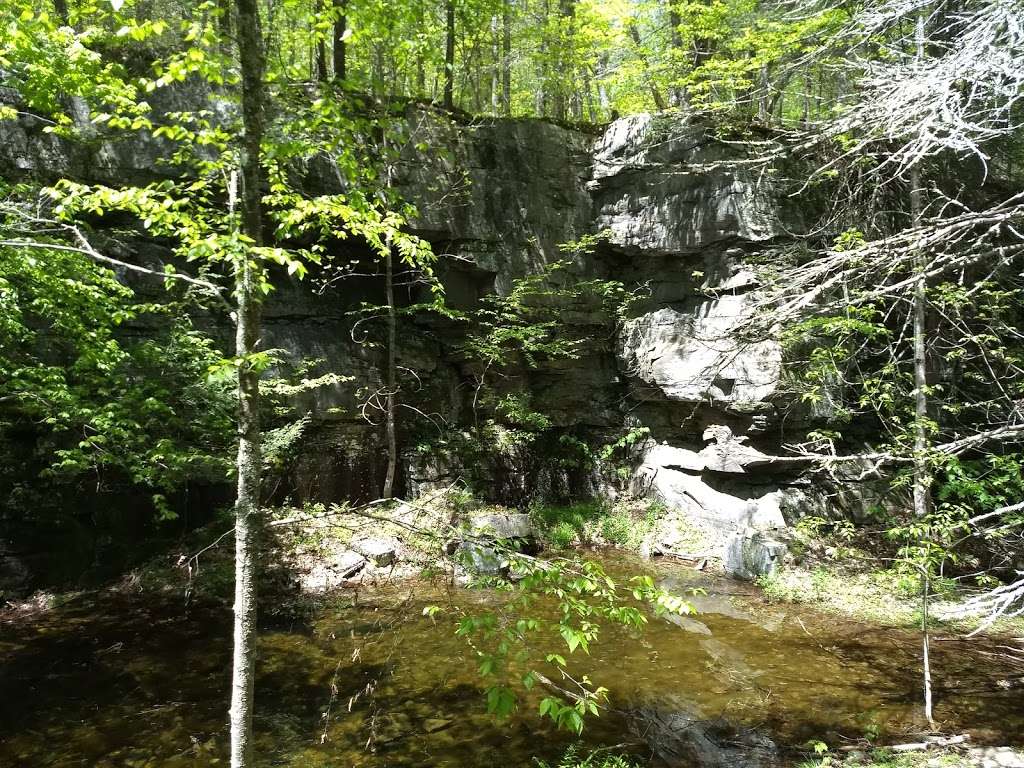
(110, 680)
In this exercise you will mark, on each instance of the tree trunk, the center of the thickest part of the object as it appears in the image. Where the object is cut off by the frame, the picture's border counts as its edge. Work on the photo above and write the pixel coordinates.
(677, 94)
(588, 89)
(634, 33)
(339, 40)
(495, 65)
(602, 89)
(247, 511)
(60, 7)
(389, 278)
(566, 11)
(922, 478)
(764, 95)
(506, 57)
(449, 55)
(321, 47)
(540, 97)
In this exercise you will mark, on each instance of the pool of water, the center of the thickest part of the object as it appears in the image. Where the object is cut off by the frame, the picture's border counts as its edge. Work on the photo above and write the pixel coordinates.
(113, 680)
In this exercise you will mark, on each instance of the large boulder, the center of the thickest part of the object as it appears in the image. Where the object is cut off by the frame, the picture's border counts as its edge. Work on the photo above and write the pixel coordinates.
(502, 525)
(750, 553)
(701, 501)
(490, 535)
(674, 476)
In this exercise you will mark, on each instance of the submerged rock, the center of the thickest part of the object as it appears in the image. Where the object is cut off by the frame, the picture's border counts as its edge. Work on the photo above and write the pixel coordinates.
(996, 757)
(680, 737)
(690, 625)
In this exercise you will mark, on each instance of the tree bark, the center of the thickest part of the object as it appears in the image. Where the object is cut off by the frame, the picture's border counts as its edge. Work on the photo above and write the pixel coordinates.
(634, 33)
(495, 65)
(540, 97)
(562, 91)
(922, 478)
(321, 47)
(922, 475)
(449, 55)
(677, 94)
(248, 521)
(60, 7)
(339, 40)
(389, 403)
(506, 57)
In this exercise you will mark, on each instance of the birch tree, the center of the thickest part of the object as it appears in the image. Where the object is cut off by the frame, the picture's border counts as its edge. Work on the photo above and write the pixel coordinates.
(247, 336)
(935, 289)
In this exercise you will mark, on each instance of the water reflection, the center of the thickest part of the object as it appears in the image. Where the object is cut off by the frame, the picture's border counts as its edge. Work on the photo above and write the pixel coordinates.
(115, 681)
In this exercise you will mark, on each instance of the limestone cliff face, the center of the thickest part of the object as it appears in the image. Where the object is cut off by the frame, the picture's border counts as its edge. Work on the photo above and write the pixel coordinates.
(684, 216)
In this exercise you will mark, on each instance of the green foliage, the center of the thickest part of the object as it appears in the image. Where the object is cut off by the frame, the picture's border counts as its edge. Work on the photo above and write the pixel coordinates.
(525, 324)
(515, 410)
(563, 526)
(575, 757)
(556, 602)
(48, 63)
(523, 330)
(102, 405)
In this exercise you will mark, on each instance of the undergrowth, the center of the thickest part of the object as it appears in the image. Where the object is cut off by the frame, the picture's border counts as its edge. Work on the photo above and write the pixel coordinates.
(622, 525)
(574, 757)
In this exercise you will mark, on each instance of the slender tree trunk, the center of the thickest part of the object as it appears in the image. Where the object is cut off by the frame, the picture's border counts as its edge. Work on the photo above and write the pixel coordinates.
(566, 11)
(225, 28)
(378, 78)
(321, 47)
(588, 88)
(602, 90)
(506, 57)
(764, 96)
(60, 7)
(659, 100)
(340, 24)
(677, 94)
(391, 383)
(247, 510)
(495, 65)
(540, 97)
(922, 478)
(449, 55)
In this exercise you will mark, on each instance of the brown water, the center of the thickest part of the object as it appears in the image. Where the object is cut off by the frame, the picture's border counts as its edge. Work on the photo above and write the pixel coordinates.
(110, 680)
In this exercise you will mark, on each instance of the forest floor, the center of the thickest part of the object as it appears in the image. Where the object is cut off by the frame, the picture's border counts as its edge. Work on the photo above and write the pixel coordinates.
(846, 581)
(303, 564)
(937, 757)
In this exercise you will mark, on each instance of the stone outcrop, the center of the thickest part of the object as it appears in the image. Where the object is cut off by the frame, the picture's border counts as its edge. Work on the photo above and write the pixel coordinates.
(665, 185)
(750, 553)
(699, 355)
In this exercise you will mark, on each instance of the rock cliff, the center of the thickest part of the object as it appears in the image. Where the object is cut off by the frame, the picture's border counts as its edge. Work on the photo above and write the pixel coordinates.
(683, 218)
